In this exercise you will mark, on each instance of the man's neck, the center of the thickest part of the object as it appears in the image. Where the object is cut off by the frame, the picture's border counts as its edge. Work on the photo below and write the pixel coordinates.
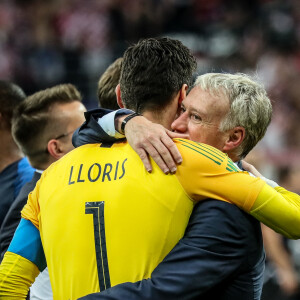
(9, 151)
(164, 118)
(41, 167)
(44, 165)
(234, 158)
(155, 119)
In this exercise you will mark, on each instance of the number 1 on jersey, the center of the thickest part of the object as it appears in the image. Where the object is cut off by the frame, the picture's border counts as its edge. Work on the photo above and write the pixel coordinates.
(97, 210)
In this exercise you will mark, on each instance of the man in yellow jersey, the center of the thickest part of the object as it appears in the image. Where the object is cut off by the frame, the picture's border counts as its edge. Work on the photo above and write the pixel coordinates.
(102, 218)
(213, 253)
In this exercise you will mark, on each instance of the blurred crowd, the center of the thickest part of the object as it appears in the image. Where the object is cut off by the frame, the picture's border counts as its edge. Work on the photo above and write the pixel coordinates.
(43, 43)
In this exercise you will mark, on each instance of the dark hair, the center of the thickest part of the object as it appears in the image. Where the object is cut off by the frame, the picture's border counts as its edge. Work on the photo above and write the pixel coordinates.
(153, 71)
(10, 96)
(107, 85)
(33, 115)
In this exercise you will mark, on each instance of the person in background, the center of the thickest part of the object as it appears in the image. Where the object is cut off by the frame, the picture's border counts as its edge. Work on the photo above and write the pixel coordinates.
(42, 126)
(15, 169)
(282, 264)
(106, 92)
(107, 85)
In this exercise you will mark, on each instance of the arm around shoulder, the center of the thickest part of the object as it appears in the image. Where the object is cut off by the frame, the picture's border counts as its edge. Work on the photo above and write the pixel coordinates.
(278, 209)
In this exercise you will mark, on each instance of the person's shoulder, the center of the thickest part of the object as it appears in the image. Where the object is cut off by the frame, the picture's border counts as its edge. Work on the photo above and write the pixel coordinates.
(217, 207)
(84, 153)
(202, 150)
(24, 174)
(225, 216)
(226, 229)
(24, 166)
(198, 154)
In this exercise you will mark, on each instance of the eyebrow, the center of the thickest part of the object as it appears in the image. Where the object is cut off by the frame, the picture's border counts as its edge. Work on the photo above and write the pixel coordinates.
(193, 108)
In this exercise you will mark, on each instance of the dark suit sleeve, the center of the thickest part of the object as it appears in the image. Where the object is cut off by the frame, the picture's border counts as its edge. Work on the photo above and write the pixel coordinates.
(13, 216)
(213, 249)
(90, 131)
(10, 224)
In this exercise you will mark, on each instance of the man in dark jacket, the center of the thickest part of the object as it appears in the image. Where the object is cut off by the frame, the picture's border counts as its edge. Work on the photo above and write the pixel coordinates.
(60, 104)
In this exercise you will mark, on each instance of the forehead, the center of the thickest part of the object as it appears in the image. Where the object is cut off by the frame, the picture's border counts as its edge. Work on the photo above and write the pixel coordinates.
(205, 102)
(68, 109)
(68, 114)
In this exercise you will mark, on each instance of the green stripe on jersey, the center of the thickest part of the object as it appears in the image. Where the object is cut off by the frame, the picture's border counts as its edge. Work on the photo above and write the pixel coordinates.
(233, 166)
(205, 149)
(217, 162)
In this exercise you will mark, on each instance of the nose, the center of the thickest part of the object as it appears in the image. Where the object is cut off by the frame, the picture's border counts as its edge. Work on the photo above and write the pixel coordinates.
(180, 124)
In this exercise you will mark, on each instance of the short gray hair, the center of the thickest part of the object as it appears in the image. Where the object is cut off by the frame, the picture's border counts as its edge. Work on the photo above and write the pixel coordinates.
(250, 106)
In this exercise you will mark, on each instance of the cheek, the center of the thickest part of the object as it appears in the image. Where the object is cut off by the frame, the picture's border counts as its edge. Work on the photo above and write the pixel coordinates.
(197, 134)
(215, 140)
(204, 134)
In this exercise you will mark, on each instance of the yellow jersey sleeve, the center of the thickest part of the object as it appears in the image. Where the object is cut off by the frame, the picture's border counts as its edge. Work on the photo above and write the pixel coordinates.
(31, 210)
(16, 276)
(279, 209)
(208, 173)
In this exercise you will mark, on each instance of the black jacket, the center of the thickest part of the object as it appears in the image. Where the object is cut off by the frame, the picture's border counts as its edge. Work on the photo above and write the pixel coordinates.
(13, 216)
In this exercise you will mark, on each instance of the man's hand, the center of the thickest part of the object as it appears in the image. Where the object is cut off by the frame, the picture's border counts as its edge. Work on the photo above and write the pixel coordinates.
(146, 138)
(250, 168)
(288, 281)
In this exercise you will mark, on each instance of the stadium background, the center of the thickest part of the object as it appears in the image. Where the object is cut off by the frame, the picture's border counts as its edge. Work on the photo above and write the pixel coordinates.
(43, 43)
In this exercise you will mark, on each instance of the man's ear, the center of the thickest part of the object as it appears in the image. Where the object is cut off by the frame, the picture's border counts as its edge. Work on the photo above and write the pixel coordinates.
(54, 149)
(182, 93)
(234, 139)
(118, 93)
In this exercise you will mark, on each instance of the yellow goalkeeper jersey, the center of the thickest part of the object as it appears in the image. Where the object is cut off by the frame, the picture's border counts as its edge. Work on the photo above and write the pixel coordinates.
(104, 220)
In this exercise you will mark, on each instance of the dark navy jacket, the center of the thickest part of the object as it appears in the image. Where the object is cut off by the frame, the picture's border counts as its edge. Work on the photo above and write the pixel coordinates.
(12, 178)
(90, 131)
(221, 255)
(13, 216)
